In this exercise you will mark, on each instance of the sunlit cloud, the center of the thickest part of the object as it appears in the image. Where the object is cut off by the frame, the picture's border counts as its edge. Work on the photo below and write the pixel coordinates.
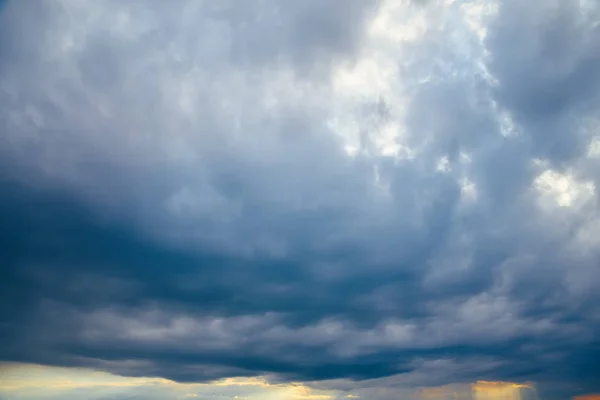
(486, 390)
(481, 390)
(563, 189)
(27, 381)
(587, 397)
(38, 381)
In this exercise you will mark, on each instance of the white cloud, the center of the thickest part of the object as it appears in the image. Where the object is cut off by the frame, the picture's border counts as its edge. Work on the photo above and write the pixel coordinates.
(563, 189)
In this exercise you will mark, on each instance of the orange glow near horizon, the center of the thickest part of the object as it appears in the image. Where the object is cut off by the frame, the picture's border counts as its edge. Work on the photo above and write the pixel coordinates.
(594, 396)
(446, 392)
(498, 390)
(481, 390)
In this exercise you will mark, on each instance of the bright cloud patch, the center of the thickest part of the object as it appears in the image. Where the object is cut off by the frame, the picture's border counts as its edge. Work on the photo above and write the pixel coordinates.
(563, 189)
(22, 382)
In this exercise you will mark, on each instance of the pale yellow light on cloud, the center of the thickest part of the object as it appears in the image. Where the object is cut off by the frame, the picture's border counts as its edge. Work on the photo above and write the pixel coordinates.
(16, 378)
(23, 376)
(484, 390)
(481, 390)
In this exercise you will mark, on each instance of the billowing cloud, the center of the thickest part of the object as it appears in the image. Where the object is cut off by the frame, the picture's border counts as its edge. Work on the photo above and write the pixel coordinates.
(370, 196)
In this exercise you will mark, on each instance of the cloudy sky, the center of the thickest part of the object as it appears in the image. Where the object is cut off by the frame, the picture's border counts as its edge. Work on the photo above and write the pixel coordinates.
(288, 200)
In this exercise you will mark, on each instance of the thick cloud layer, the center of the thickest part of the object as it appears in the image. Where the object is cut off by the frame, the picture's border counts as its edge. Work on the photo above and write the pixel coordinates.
(305, 190)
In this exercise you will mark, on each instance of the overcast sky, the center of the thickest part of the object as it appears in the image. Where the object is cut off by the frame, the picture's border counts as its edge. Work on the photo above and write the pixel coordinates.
(311, 199)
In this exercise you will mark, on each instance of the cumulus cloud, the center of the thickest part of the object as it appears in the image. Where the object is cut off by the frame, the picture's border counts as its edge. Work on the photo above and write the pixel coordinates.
(317, 191)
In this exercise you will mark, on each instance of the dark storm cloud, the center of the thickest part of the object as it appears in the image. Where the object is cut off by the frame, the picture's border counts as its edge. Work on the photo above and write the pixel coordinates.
(549, 79)
(175, 203)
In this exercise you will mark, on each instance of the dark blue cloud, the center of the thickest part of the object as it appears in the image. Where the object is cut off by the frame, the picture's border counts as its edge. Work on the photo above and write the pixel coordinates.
(177, 190)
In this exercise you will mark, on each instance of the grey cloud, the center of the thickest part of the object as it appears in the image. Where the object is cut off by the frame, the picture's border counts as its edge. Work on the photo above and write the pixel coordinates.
(173, 193)
(546, 57)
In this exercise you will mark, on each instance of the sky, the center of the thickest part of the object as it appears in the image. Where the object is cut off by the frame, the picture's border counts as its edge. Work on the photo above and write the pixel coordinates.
(292, 200)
